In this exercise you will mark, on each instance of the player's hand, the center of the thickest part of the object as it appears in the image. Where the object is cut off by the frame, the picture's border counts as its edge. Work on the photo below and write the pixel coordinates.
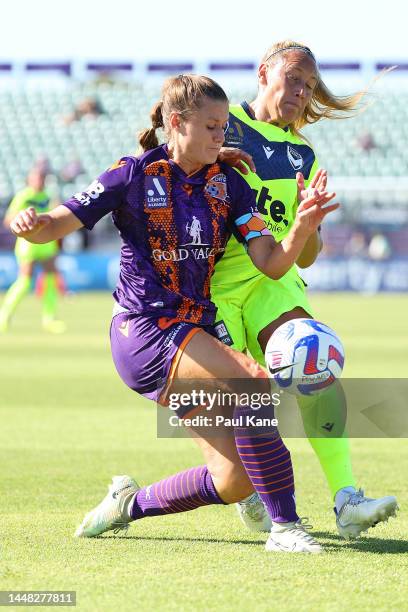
(236, 158)
(313, 210)
(318, 183)
(27, 223)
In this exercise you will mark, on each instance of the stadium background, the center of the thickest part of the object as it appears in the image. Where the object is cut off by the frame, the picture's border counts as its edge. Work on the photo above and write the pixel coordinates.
(67, 421)
(77, 117)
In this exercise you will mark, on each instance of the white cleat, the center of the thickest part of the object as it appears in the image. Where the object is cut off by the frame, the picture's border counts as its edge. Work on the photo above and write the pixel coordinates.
(111, 513)
(359, 513)
(253, 514)
(293, 538)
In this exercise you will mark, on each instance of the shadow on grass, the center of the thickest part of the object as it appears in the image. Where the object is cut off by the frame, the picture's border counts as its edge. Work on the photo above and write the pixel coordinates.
(366, 544)
(180, 539)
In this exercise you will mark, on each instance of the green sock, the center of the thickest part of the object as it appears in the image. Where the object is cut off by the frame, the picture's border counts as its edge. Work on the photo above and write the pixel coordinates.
(324, 419)
(13, 296)
(50, 297)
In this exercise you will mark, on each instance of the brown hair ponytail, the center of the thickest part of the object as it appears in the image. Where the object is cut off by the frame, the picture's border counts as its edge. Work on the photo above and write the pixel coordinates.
(147, 138)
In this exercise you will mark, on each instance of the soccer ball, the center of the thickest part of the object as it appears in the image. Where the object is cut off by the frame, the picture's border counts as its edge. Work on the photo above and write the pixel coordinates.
(304, 356)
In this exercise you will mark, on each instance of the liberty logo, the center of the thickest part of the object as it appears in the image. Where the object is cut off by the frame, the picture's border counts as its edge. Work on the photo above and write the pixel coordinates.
(295, 159)
(234, 134)
(194, 230)
(156, 192)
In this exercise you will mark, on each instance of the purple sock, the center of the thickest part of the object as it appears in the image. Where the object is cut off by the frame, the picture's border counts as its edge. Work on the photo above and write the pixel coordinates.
(268, 464)
(178, 493)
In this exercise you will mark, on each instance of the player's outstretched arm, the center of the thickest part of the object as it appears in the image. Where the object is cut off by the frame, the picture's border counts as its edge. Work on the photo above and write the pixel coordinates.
(45, 227)
(275, 259)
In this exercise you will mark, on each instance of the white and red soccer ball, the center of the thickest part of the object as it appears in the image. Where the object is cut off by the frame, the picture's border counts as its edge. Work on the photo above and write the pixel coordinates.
(304, 356)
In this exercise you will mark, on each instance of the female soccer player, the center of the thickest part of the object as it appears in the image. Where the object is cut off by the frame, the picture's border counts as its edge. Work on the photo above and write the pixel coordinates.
(291, 94)
(162, 332)
(28, 255)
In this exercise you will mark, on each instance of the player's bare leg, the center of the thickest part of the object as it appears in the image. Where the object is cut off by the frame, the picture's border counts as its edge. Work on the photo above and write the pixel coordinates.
(15, 294)
(235, 464)
(50, 297)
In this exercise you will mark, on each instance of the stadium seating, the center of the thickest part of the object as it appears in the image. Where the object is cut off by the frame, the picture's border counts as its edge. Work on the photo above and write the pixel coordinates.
(34, 125)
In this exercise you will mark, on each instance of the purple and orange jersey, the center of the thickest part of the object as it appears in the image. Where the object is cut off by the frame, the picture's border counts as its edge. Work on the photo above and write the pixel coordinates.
(174, 228)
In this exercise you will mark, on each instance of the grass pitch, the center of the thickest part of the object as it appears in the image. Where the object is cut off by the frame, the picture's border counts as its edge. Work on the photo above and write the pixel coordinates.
(68, 424)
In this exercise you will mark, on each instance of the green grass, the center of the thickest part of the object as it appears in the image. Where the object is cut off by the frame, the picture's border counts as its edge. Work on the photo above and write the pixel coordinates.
(68, 423)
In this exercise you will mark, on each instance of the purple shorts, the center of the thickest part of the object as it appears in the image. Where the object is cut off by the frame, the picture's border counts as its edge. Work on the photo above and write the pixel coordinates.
(147, 349)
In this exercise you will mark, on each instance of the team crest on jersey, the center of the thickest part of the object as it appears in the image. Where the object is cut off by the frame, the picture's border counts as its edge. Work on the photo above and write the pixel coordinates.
(156, 192)
(295, 158)
(217, 187)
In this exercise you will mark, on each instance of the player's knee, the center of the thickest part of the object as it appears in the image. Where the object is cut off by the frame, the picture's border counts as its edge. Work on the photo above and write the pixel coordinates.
(232, 484)
(254, 371)
(259, 380)
(258, 372)
(246, 367)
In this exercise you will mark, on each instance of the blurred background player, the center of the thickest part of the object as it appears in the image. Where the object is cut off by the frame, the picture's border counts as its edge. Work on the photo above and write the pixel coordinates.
(291, 94)
(28, 255)
(158, 345)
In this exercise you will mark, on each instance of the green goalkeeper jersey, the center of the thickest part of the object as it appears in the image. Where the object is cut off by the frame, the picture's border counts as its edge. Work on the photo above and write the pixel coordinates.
(278, 155)
(25, 251)
(26, 198)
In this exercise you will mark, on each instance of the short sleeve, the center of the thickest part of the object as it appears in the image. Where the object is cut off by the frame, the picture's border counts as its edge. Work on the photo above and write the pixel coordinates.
(105, 194)
(247, 222)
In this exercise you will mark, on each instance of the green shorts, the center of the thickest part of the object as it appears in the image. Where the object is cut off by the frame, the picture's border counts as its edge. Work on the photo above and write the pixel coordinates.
(27, 252)
(247, 307)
